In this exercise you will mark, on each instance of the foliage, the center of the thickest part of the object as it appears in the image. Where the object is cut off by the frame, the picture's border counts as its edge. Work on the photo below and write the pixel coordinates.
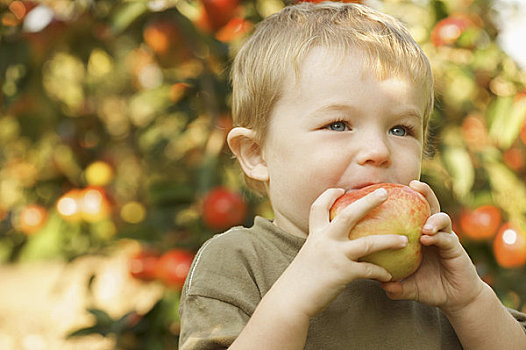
(114, 116)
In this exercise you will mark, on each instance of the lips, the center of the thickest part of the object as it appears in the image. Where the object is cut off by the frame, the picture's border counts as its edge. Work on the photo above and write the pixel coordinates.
(360, 186)
(366, 181)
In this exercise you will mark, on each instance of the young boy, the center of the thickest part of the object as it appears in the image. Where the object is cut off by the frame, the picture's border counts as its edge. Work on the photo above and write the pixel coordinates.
(329, 98)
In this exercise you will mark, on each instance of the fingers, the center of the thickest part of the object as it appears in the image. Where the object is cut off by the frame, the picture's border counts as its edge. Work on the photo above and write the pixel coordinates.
(338, 229)
(364, 246)
(319, 212)
(438, 228)
(399, 290)
(371, 271)
(437, 222)
(448, 244)
(427, 192)
(438, 232)
(360, 247)
(353, 213)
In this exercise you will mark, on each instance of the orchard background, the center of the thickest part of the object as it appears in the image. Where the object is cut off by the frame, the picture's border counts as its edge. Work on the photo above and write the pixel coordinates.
(113, 116)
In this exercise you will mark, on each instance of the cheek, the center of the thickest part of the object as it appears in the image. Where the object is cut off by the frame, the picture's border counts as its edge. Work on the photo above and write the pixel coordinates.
(305, 178)
(409, 165)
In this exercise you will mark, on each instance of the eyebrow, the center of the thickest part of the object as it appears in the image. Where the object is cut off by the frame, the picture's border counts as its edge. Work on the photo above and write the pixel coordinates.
(334, 107)
(405, 112)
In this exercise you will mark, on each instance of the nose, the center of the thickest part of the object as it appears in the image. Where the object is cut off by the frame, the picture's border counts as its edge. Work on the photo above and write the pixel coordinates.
(374, 150)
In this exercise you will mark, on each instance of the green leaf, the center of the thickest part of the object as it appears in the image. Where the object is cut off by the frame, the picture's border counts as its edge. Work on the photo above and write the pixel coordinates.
(48, 243)
(103, 325)
(459, 165)
(146, 105)
(170, 193)
(87, 331)
(508, 190)
(128, 13)
(506, 117)
(102, 318)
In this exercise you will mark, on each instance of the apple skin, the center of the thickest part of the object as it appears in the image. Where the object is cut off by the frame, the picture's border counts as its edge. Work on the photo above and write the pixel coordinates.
(404, 213)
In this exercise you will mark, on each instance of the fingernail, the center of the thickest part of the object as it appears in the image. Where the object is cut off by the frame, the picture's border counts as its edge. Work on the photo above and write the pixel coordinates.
(428, 227)
(404, 240)
(381, 193)
(415, 183)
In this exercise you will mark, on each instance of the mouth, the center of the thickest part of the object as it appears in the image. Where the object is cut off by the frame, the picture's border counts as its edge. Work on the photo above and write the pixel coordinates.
(362, 185)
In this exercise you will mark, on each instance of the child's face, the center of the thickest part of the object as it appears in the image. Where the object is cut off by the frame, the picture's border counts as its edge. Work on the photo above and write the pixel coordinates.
(339, 127)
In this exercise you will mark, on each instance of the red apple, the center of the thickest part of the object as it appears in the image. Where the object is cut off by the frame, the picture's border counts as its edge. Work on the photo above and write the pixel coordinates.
(173, 267)
(480, 223)
(223, 208)
(509, 246)
(32, 218)
(217, 13)
(143, 264)
(162, 35)
(448, 30)
(404, 213)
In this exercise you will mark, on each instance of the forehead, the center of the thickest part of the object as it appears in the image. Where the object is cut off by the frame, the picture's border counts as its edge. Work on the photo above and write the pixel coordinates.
(315, 66)
(354, 57)
(328, 82)
(320, 62)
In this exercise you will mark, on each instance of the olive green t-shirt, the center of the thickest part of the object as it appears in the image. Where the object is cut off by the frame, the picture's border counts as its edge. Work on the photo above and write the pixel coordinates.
(233, 271)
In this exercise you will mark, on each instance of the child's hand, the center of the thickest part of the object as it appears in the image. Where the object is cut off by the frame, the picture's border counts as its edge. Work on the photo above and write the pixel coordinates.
(328, 260)
(446, 277)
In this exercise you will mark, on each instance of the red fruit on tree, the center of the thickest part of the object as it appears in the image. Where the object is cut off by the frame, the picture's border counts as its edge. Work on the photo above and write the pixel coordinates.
(21, 8)
(515, 158)
(223, 208)
(217, 13)
(234, 29)
(32, 219)
(143, 265)
(161, 35)
(173, 267)
(404, 213)
(474, 131)
(509, 246)
(480, 223)
(448, 30)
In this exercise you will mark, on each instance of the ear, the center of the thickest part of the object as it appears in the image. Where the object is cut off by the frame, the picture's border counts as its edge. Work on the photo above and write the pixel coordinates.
(243, 143)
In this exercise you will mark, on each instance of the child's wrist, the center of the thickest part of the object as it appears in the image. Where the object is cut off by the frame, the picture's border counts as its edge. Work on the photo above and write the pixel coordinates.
(484, 296)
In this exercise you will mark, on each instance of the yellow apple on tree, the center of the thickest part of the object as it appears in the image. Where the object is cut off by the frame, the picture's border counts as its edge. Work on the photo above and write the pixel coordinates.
(404, 213)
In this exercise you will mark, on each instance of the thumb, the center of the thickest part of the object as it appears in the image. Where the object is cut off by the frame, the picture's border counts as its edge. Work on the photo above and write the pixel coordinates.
(400, 290)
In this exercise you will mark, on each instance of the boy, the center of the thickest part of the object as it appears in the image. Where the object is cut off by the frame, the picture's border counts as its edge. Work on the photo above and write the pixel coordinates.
(330, 98)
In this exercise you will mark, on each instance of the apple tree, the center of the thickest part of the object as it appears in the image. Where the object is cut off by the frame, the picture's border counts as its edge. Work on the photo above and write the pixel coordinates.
(113, 117)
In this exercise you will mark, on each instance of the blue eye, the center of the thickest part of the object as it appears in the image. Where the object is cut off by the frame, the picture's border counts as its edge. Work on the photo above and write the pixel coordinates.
(399, 131)
(337, 126)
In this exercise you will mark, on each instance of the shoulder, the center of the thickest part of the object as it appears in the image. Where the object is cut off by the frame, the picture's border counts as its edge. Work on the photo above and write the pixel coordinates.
(225, 269)
(222, 257)
(217, 297)
(243, 259)
(227, 245)
(263, 239)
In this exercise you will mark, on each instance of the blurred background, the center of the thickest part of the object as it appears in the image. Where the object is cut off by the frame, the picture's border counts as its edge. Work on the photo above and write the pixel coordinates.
(114, 168)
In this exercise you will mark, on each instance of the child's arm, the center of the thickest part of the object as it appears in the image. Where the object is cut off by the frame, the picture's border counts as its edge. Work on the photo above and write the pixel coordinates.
(448, 279)
(326, 263)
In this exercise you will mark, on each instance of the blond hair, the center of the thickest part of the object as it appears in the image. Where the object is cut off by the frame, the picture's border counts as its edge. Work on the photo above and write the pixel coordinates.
(282, 41)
